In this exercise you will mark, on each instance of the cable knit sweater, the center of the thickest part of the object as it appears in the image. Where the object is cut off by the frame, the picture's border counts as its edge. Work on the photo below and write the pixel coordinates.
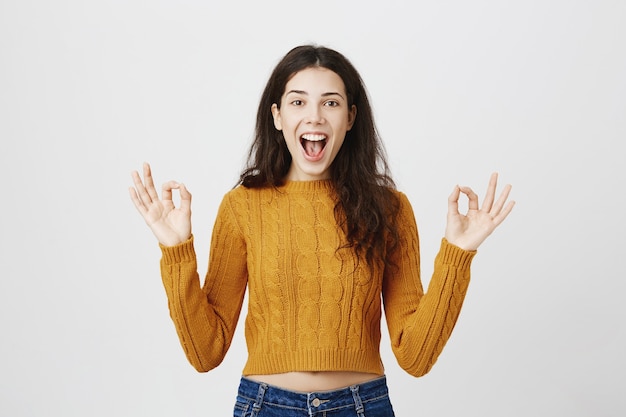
(311, 307)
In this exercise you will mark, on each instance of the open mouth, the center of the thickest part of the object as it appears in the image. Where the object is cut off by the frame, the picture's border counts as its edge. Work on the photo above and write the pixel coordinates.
(313, 144)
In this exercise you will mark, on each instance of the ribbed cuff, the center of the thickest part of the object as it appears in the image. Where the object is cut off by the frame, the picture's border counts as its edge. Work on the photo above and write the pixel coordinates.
(450, 254)
(180, 253)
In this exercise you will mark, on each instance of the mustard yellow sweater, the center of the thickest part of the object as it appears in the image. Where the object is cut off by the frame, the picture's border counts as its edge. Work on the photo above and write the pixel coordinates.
(310, 307)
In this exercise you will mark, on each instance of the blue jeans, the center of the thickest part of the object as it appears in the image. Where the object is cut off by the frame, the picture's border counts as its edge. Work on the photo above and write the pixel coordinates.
(370, 399)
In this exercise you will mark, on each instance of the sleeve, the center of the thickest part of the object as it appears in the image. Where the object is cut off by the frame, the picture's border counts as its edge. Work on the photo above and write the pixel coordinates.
(205, 317)
(421, 323)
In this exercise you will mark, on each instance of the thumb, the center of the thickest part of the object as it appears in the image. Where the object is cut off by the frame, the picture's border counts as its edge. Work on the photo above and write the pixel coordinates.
(185, 197)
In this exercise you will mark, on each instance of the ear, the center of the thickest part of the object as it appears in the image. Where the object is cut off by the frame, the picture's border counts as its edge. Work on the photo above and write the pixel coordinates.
(351, 116)
(276, 114)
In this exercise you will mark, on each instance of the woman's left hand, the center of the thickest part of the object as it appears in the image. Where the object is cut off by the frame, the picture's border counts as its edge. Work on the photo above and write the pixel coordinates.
(470, 230)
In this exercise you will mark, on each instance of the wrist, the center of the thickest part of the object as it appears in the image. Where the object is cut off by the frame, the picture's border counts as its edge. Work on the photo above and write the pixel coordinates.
(171, 241)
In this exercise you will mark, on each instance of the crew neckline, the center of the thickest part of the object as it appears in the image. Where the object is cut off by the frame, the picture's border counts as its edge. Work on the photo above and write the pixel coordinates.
(313, 185)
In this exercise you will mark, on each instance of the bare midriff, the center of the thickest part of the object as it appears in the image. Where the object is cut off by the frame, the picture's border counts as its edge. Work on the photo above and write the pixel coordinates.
(314, 381)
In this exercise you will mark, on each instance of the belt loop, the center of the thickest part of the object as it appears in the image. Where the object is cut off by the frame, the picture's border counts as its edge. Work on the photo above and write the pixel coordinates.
(357, 400)
(256, 407)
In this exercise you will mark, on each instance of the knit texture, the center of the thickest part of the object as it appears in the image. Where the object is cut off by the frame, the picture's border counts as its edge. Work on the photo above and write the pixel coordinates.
(312, 306)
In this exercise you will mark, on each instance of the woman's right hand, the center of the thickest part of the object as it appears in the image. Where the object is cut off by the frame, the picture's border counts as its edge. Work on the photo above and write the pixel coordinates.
(170, 225)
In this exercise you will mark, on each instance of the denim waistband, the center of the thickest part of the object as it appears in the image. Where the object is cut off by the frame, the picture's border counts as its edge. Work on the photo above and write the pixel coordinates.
(353, 396)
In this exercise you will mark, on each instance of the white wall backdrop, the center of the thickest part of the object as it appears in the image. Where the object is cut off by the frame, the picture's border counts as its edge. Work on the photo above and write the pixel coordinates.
(535, 90)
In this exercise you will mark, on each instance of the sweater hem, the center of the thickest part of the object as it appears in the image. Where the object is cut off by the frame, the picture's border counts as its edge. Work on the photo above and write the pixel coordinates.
(314, 360)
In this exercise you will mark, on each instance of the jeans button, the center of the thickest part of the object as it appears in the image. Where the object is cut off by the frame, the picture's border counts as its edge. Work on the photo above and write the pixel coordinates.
(316, 402)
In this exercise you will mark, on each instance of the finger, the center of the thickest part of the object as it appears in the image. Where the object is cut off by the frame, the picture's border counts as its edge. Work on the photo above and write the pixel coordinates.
(471, 196)
(147, 177)
(504, 213)
(142, 194)
(491, 192)
(501, 200)
(136, 200)
(166, 192)
(453, 201)
(185, 198)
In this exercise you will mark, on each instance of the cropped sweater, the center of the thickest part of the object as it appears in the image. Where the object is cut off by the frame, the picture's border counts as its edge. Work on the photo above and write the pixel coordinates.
(311, 306)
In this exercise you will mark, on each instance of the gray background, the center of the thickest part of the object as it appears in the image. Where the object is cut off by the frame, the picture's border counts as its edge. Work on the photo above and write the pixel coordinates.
(89, 90)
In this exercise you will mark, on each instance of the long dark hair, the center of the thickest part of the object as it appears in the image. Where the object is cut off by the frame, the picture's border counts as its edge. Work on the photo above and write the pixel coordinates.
(366, 204)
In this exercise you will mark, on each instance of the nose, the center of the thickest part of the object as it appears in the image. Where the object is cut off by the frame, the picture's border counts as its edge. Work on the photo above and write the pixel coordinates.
(314, 115)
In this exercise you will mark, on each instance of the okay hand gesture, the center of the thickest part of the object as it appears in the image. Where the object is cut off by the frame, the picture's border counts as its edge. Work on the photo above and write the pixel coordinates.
(470, 230)
(170, 225)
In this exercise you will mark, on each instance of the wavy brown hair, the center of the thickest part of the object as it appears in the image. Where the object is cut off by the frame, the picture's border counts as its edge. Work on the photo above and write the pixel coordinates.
(366, 205)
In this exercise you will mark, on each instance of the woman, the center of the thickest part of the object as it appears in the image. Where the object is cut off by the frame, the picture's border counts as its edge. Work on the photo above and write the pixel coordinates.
(316, 232)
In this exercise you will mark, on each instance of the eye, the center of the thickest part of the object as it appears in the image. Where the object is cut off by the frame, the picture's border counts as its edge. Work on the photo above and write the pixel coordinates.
(331, 103)
(297, 102)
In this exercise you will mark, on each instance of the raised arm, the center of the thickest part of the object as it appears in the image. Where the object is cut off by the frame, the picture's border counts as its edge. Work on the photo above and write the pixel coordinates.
(205, 315)
(420, 324)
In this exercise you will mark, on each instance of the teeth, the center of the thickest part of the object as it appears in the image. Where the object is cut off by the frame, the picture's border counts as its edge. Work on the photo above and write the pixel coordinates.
(313, 138)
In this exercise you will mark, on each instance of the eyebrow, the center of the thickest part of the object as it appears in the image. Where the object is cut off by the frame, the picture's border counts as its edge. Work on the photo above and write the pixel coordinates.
(330, 93)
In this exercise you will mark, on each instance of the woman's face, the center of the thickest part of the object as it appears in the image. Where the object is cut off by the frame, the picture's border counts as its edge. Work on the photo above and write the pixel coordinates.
(314, 117)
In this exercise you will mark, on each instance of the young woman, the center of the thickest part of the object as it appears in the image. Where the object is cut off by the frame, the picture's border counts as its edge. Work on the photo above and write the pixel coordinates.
(319, 235)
